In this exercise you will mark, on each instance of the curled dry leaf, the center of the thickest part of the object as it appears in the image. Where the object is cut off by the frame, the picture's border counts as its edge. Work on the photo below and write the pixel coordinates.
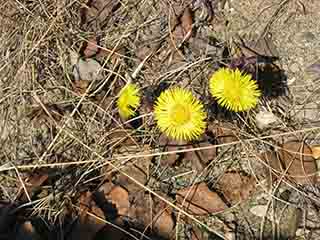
(294, 160)
(200, 200)
(236, 187)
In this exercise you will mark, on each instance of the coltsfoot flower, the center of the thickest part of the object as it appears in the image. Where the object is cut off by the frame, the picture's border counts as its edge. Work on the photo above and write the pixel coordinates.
(179, 114)
(128, 101)
(234, 90)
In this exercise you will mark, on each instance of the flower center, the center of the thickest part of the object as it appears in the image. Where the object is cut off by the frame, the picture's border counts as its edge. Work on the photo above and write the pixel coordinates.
(180, 114)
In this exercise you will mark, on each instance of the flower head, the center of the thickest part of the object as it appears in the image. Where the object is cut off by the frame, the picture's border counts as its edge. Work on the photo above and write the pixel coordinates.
(179, 114)
(128, 101)
(234, 90)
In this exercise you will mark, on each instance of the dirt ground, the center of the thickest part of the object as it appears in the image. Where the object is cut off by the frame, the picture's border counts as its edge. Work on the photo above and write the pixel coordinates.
(71, 168)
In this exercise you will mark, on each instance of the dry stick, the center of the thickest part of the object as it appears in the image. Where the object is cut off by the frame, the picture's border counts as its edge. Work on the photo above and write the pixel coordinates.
(107, 222)
(25, 167)
(43, 36)
(150, 155)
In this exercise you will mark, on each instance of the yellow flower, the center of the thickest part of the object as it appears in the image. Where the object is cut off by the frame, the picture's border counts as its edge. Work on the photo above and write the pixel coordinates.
(128, 101)
(234, 90)
(179, 114)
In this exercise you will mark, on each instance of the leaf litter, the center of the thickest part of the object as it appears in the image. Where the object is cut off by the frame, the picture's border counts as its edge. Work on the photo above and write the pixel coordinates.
(121, 201)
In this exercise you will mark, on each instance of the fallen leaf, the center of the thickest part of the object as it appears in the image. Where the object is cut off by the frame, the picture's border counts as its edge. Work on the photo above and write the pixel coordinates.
(170, 145)
(152, 213)
(120, 198)
(90, 48)
(236, 187)
(273, 169)
(201, 158)
(200, 200)
(93, 224)
(87, 226)
(262, 46)
(182, 25)
(39, 113)
(223, 132)
(80, 86)
(121, 137)
(315, 151)
(297, 158)
(293, 160)
(32, 184)
(99, 12)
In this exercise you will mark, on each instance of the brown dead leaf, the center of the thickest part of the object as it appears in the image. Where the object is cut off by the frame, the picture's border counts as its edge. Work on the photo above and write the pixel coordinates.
(90, 48)
(99, 12)
(33, 184)
(47, 112)
(170, 145)
(88, 225)
(137, 169)
(120, 198)
(134, 171)
(121, 137)
(200, 200)
(182, 25)
(152, 213)
(297, 158)
(236, 187)
(271, 158)
(201, 158)
(87, 204)
(316, 151)
(294, 160)
(80, 86)
(223, 132)
(262, 46)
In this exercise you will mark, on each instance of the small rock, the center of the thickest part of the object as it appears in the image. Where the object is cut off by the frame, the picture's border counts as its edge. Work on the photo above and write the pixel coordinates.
(265, 118)
(88, 70)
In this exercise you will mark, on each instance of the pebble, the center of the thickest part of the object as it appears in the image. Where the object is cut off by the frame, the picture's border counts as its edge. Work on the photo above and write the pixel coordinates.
(265, 118)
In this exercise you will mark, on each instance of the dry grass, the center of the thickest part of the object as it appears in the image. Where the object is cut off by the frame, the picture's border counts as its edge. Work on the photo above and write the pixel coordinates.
(45, 124)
